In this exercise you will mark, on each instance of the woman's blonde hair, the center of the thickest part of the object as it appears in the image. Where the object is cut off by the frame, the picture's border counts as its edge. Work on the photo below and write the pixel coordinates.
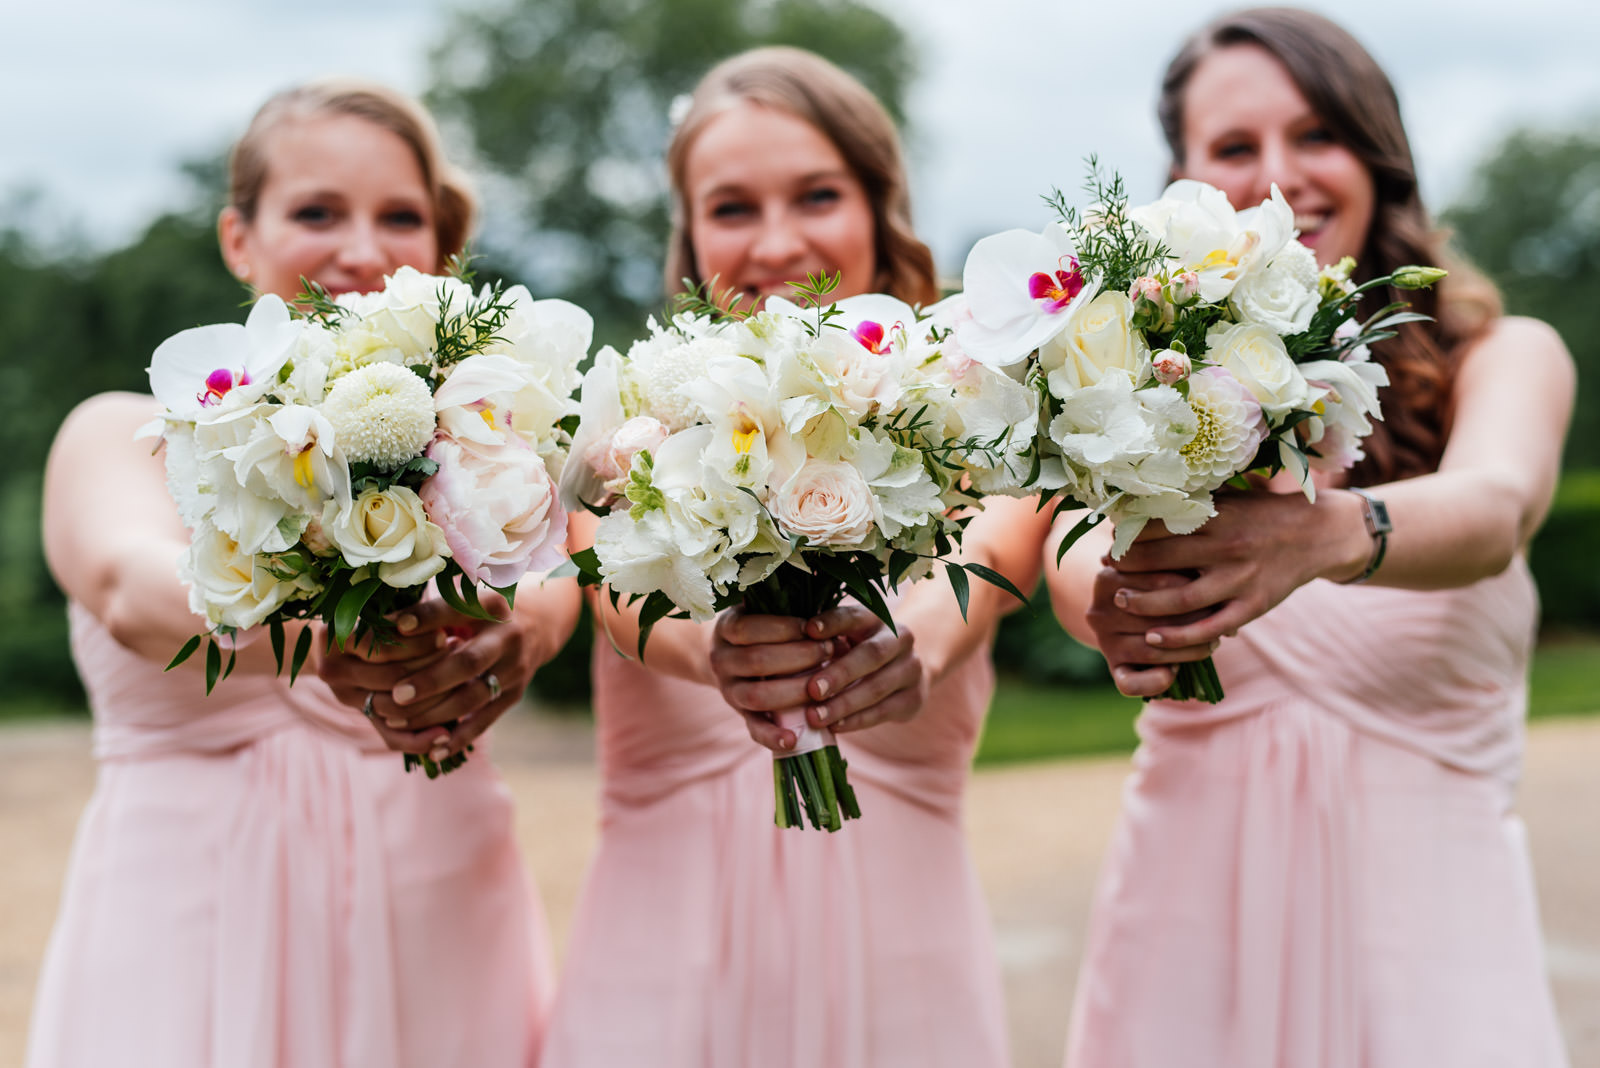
(810, 88)
(454, 203)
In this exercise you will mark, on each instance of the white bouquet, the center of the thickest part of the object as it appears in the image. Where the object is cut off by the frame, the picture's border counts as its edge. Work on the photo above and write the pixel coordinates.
(1175, 348)
(783, 459)
(333, 458)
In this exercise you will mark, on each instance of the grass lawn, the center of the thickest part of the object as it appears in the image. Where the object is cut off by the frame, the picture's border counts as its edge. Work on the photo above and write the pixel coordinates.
(1029, 722)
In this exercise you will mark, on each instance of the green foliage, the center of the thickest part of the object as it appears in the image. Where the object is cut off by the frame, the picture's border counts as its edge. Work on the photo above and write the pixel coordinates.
(566, 103)
(1032, 647)
(1563, 555)
(1531, 219)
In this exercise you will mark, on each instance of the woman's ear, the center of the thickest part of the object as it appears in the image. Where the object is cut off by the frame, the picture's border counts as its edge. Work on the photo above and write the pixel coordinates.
(231, 231)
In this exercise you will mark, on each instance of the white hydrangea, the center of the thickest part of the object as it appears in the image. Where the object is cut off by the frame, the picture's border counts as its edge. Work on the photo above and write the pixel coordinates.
(381, 414)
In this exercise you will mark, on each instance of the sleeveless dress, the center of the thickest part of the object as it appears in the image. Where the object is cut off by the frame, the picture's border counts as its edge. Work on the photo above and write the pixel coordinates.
(1324, 870)
(707, 937)
(257, 883)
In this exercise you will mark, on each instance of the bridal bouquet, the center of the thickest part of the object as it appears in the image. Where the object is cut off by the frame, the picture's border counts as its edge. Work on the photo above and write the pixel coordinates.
(330, 460)
(1176, 347)
(782, 459)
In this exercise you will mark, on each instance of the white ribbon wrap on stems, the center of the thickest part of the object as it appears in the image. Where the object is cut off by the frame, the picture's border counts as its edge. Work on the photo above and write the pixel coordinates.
(808, 739)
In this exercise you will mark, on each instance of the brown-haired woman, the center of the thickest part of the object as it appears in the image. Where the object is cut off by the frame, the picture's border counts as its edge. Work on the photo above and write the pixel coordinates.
(706, 936)
(256, 881)
(1324, 870)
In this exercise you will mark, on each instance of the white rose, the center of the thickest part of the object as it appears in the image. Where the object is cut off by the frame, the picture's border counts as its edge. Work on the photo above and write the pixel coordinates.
(233, 588)
(1255, 356)
(826, 503)
(1099, 338)
(389, 528)
(1281, 295)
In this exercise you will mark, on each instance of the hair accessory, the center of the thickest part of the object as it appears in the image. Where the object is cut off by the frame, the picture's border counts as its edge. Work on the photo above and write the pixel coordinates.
(1376, 515)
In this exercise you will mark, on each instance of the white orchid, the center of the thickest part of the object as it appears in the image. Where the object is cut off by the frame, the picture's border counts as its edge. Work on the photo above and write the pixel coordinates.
(206, 371)
(1021, 288)
(1204, 234)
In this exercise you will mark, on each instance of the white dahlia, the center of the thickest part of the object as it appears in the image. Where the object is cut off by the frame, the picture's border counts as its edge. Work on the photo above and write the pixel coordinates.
(381, 414)
(1229, 428)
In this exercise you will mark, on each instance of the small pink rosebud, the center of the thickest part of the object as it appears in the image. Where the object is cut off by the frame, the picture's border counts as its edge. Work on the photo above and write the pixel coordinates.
(1170, 366)
(1185, 286)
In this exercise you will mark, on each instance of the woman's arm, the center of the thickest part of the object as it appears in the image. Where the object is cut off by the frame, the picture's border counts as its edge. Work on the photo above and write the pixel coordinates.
(1466, 521)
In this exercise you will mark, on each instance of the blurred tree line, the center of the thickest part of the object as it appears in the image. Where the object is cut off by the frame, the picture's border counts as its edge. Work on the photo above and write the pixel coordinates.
(564, 104)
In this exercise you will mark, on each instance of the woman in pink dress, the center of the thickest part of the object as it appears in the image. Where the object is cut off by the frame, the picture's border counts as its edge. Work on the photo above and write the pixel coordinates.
(256, 881)
(706, 936)
(1324, 870)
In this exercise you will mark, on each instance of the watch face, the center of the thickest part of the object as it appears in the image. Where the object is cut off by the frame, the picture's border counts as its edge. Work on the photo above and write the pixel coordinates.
(1378, 517)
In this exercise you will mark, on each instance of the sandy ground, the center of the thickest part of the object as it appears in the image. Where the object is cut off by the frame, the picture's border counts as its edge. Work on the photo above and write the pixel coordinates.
(1038, 831)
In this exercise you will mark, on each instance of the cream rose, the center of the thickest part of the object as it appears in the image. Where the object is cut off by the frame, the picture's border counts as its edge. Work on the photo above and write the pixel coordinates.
(826, 503)
(229, 587)
(389, 528)
(1281, 295)
(1256, 357)
(1099, 338)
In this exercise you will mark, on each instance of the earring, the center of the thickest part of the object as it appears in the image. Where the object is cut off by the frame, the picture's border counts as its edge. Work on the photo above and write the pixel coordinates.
(241, 271)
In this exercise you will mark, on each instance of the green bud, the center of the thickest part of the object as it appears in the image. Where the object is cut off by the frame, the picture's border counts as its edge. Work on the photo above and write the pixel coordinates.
(1417, 277)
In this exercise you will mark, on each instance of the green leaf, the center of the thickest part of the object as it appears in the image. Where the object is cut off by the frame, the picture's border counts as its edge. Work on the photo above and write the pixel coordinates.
(657, 606)
(587, 561)
(302, 649)
(213, 664)
(276, 633)
(185, 653)
(958, 582)
(508, 592)
(1082, 527)
(348, 612)
(994, 578)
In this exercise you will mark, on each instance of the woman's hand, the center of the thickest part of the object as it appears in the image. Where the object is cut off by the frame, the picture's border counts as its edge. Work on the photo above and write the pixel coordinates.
(1258, 549)
(843, 669)
(446, 680)
(1138, 668)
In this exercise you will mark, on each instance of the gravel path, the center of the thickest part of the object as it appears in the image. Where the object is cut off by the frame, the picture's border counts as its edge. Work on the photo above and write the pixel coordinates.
(1038, 831)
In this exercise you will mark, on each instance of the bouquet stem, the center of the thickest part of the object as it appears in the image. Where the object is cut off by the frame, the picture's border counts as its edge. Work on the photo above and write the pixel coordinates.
(809, 785)
(1197, 681)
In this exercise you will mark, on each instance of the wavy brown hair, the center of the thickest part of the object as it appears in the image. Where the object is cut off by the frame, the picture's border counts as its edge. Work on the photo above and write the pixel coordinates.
(805, 85)
(454, 203)
(1356, 102)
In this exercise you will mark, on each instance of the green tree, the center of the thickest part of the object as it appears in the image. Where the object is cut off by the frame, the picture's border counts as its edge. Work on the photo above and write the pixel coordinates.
(1531, 218)
(566, 102)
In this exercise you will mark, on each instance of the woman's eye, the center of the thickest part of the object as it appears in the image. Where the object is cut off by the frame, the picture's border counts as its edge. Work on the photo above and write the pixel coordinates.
(1317, 135)
(822, 196)
(730, 210)
(312, 215)
(403, 219)
(1233, 150)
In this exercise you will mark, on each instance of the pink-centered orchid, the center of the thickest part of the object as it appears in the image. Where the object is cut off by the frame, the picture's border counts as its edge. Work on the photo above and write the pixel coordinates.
(1021, 290)
(201, 373)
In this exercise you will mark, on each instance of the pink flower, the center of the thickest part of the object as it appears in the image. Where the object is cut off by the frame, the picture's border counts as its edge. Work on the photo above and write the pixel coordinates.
(1170, 366)
(612, 458)
(497, 507)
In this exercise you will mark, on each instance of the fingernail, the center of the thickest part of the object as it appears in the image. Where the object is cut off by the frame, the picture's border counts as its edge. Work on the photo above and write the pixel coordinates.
(404, 693)
(825, 647)
(394, 722)
(821, 712)
(822, 686)
(440, 639)
(787, 741)
(814, 626)
(1153, 638)
(407, 623)
(438, 753)
(1121, 598)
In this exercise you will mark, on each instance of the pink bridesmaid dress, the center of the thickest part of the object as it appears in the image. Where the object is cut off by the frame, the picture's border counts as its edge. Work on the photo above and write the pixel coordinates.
(706, 937)
(256, 883)
(1325, 870)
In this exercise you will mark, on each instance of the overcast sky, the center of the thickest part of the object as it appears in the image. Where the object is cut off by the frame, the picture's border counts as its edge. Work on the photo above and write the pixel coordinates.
(103, 98)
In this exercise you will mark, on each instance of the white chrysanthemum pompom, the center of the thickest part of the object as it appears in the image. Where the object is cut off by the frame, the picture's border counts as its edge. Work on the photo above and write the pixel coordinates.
(670, 370)
(381, 414)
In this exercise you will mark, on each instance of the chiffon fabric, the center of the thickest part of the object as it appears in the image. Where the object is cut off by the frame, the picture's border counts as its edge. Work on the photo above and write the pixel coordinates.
(1324, 870)
(256, 883)
(707, 937)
